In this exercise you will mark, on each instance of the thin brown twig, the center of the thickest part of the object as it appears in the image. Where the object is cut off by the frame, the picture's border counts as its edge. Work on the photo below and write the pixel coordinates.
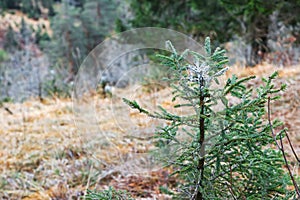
(288, 167)
(293, 150)
(8, 110)
(281, 148)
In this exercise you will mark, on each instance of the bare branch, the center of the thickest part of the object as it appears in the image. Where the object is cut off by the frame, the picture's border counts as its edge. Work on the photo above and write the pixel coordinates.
(281, 148)
(287, 136)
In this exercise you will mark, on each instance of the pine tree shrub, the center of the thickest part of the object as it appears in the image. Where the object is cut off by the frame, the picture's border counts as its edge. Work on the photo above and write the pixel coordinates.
(227, 149)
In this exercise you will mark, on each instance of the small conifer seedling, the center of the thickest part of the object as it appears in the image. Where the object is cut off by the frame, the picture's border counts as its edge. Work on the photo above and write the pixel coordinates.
(226, 153)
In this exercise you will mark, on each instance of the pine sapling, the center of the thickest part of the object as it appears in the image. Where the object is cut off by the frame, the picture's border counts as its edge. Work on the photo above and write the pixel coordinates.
(225, 151)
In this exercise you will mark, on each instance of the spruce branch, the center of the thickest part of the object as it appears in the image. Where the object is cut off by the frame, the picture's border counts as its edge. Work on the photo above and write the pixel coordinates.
(235, 84)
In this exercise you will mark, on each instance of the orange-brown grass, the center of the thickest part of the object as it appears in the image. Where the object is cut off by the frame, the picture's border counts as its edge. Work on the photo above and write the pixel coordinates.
(44, 154)
(265, 69)
(14, 20)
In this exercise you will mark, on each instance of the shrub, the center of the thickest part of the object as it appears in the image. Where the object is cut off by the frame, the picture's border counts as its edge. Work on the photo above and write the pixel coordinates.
(55, 87)
(221, 149)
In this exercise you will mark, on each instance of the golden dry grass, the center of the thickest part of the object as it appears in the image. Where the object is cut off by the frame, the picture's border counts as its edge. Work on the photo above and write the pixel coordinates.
(49, 152)
(14, 20)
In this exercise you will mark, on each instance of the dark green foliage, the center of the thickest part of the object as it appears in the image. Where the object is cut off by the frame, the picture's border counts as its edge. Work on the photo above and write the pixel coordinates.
(41, 36)
(198, 18)
(10, 4)
(225, 151)
(120, 27)
(221, 19)
(110, 194)
(31, 9)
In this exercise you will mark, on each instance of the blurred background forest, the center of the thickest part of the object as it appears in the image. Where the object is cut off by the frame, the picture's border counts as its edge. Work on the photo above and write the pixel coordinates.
(43, 42)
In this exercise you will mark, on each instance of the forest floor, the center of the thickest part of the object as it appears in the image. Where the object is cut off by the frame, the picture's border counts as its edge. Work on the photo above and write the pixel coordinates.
(56, 149)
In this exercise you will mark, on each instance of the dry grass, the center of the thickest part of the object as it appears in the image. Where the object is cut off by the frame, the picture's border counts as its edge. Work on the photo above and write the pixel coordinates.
(45, 154)
(14, 20)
